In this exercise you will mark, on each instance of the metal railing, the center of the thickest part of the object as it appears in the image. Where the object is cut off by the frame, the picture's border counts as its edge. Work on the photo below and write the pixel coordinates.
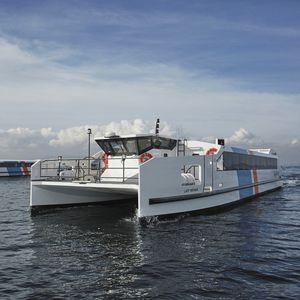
(90, 169)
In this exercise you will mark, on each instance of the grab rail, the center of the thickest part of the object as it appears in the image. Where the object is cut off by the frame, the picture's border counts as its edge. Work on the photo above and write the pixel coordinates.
(92, 169)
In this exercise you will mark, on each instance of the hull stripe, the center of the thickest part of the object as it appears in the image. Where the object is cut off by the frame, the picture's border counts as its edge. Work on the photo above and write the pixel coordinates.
(25, 171)
(255, 179)
(14, 171)
(245, 178)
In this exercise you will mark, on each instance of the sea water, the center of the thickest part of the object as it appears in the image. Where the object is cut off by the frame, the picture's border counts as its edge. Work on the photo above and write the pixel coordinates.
(101, 251)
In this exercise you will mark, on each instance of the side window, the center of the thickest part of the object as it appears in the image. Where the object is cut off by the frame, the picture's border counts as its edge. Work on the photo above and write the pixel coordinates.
(220, 163)
(163, 143)
(105, 146)
(230, 161)
(118, 147)
(130, 145)
(172, 144)
(237, 161)
(144, 144)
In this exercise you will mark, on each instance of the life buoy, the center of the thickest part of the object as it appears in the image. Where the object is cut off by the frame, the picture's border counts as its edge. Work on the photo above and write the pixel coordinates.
(104, 158)
(211, 151)
(145, 156)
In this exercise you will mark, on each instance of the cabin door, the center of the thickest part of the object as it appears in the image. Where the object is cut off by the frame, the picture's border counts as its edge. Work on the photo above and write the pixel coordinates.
(208, 175)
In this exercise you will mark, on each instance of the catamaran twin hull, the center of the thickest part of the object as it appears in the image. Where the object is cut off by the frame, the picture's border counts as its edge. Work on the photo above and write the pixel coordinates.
(163, 186)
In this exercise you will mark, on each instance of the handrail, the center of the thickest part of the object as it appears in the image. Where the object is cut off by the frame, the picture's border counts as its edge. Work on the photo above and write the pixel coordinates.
(76, 169)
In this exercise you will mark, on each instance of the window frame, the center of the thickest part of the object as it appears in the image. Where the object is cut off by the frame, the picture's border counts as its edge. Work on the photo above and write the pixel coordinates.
(109, 149)
(233, 161)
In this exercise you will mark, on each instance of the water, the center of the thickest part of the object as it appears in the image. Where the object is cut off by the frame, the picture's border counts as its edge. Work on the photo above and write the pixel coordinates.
(96, 252)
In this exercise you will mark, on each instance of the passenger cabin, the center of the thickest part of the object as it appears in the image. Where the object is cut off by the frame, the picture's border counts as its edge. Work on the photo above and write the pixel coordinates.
(126, 153)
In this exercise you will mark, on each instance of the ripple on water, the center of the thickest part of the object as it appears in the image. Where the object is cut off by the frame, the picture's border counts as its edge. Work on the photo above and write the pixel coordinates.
(249, 252)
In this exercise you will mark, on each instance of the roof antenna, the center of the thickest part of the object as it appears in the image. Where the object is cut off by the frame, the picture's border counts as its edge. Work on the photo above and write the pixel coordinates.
(157, 127)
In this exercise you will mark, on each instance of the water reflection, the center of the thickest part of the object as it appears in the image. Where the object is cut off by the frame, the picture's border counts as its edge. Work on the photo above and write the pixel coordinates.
(101, 251)
(97, 243)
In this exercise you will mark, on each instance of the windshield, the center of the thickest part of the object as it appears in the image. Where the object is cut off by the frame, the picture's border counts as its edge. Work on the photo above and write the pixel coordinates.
(118, 147)
(135, 146)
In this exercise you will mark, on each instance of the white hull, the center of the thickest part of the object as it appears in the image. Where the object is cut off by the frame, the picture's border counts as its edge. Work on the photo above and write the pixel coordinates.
(71, 194)
(160, 190)
(205, 202)
(164, 194)
(60, 193)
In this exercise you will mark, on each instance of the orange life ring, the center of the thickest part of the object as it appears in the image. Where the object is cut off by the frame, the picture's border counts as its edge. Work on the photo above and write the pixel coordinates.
(104, 158)
(211, 151)
(145, 156)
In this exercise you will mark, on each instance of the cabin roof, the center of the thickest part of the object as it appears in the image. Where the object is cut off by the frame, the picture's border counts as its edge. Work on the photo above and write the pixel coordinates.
(130, 136)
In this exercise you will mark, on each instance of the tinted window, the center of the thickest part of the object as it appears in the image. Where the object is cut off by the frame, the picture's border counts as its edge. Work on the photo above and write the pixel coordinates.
(9, 164)
(118, 147)
(237, 161)
(145, 144)
(163, 143)
(105, 146)
(131, 146)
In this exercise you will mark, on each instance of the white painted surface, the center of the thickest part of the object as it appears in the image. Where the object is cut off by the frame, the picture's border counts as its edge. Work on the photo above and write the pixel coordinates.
(61, 193)
(158, 177)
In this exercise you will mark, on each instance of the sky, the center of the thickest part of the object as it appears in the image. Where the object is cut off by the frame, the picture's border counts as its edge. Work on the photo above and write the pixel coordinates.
(206, 68)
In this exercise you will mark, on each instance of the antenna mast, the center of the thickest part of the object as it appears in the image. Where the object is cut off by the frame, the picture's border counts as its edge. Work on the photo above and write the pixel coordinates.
(157, 127)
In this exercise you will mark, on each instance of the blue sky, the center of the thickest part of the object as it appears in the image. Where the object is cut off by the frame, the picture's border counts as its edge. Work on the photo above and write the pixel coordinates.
(209, 67)
(255, 43)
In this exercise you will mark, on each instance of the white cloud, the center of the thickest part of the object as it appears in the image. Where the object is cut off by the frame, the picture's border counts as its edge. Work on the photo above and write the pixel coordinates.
(37, 143)
(47, 132)
(35, 89)
(78, 135)
(21, 132)
(26, 143)
(242, 136)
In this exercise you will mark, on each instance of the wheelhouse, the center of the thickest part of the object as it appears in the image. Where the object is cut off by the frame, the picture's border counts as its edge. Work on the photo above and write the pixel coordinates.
(118, 146)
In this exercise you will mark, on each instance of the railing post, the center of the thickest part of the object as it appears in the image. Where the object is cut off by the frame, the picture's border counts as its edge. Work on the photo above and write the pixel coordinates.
(123, 163)
(78, 169)
(89, 132)
(59, 164)
(99, 169)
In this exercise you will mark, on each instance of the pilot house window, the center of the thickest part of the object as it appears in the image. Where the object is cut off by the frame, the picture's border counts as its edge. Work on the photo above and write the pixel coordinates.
(134, 146)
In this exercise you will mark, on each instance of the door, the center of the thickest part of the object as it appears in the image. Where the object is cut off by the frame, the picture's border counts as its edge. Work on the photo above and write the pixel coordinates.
(208, 173)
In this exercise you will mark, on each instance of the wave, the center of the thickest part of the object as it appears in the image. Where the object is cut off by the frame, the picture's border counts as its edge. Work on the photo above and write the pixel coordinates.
(291, 182)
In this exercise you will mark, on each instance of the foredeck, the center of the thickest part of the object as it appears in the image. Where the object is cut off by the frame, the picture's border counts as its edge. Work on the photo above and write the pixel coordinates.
(74, 171)
(131, 187)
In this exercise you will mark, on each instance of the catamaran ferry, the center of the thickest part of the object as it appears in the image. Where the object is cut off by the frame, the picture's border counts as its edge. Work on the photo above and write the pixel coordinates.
(15, 167)
(165, 175)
